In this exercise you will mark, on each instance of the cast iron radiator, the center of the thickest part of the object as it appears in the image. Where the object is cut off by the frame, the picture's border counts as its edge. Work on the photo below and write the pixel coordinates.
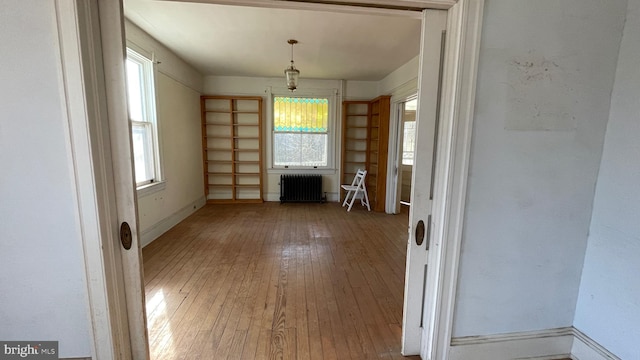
(301, 188)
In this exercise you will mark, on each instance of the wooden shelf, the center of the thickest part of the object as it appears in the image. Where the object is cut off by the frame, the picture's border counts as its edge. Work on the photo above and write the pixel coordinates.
(376, 139)
(222, 136)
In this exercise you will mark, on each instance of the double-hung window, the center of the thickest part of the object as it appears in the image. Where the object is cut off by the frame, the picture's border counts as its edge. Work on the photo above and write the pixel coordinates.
(142, 116)
(300, 132)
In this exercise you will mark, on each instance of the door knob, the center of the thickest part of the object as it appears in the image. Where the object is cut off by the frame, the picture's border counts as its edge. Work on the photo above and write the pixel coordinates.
(125, 235)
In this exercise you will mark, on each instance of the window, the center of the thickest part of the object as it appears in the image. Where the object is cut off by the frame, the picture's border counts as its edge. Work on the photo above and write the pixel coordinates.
(142, 115)
(300, 132)
(409, 136)
(409, 142)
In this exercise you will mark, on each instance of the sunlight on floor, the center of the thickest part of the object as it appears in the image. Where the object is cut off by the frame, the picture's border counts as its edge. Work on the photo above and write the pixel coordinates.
(156, 316)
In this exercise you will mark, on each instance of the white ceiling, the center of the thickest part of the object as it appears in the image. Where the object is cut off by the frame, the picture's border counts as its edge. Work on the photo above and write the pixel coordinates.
(252, 41)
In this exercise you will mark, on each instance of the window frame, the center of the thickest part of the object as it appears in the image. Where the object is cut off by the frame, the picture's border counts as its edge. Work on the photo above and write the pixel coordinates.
(150, 118)
(332, 151)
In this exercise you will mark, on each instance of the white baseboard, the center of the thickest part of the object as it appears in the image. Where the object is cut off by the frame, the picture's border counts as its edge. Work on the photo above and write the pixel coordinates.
(154, 231)
(540, 345)
(584, 348)
(331, 197)
(551, 344)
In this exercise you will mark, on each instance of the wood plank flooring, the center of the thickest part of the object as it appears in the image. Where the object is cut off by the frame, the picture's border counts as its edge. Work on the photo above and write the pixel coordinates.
(272, 281)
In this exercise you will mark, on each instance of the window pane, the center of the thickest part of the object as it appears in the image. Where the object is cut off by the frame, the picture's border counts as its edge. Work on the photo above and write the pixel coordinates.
(300, 114)
(409, 142)
(143, 152)
(300, 149)
(134, 90)
(300, 128)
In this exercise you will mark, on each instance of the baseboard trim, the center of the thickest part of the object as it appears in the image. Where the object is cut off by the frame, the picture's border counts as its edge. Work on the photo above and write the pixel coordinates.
(585, 348)
(548, 344)
(154, 231)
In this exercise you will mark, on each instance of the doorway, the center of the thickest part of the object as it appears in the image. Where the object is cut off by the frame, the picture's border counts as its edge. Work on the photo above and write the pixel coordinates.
(458, 102)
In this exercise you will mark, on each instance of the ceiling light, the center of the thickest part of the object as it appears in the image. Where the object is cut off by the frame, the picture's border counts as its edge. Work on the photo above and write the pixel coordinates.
(291, 72)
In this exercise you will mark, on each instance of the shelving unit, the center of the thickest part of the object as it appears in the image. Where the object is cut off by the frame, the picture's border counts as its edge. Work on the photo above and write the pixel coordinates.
(232, 148)
(365, 139)
(355, 116)
(378, 134)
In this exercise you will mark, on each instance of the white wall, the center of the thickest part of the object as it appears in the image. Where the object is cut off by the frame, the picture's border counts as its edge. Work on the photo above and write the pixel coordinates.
(546, 70)
(42, 277)
(253, 86)
(178, 88)
(169, 63)
(609, 303)
(402, 81)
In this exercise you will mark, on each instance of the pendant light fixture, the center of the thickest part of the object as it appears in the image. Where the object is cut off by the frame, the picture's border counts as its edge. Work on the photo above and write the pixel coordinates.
(291, 72)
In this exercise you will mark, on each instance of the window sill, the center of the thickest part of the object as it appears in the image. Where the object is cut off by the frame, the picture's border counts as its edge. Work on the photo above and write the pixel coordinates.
(149, 189)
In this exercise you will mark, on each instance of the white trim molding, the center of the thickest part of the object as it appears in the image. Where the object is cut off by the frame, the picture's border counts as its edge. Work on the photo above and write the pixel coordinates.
(585, 348)
(545, 344)
(550, 344)
(408, 8)
(80, 73)
(148, 235)
(464, 25)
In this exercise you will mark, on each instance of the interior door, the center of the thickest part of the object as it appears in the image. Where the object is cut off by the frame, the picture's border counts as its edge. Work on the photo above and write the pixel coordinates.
(416, 321)
(127, 245)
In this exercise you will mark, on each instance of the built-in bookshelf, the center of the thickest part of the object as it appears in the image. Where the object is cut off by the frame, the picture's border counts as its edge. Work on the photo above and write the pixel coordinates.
(365, 141)
(232, 148)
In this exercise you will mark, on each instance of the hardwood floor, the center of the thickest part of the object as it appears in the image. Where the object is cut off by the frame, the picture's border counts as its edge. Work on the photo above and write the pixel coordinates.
(271, 281)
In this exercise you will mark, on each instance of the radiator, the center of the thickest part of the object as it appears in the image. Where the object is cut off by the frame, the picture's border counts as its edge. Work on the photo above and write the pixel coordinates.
(301, 188)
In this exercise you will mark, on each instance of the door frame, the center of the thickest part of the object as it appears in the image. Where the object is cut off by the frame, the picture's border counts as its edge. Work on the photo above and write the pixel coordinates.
(91, 38)
(396, 136)
(464, 23)
(464, 26)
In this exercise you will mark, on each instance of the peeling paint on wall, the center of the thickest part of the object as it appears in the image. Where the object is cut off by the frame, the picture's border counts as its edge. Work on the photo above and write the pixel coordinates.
(535, 85)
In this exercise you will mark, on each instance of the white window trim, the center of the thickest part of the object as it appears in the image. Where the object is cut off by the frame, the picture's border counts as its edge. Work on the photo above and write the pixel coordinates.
(150, 73)
(332, 134)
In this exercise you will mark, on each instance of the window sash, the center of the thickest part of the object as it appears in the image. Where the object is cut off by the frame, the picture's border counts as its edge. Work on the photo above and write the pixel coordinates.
(142, 116)
(300, 132)
(300, 149)
(143, 153)
(408, 142)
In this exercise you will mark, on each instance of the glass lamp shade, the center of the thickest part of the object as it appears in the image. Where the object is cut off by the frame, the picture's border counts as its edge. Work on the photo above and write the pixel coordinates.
(292, 77)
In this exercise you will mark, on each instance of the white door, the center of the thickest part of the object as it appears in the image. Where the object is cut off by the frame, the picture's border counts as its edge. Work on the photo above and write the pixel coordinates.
(113, 50)
(415, 322)
(91, 43)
